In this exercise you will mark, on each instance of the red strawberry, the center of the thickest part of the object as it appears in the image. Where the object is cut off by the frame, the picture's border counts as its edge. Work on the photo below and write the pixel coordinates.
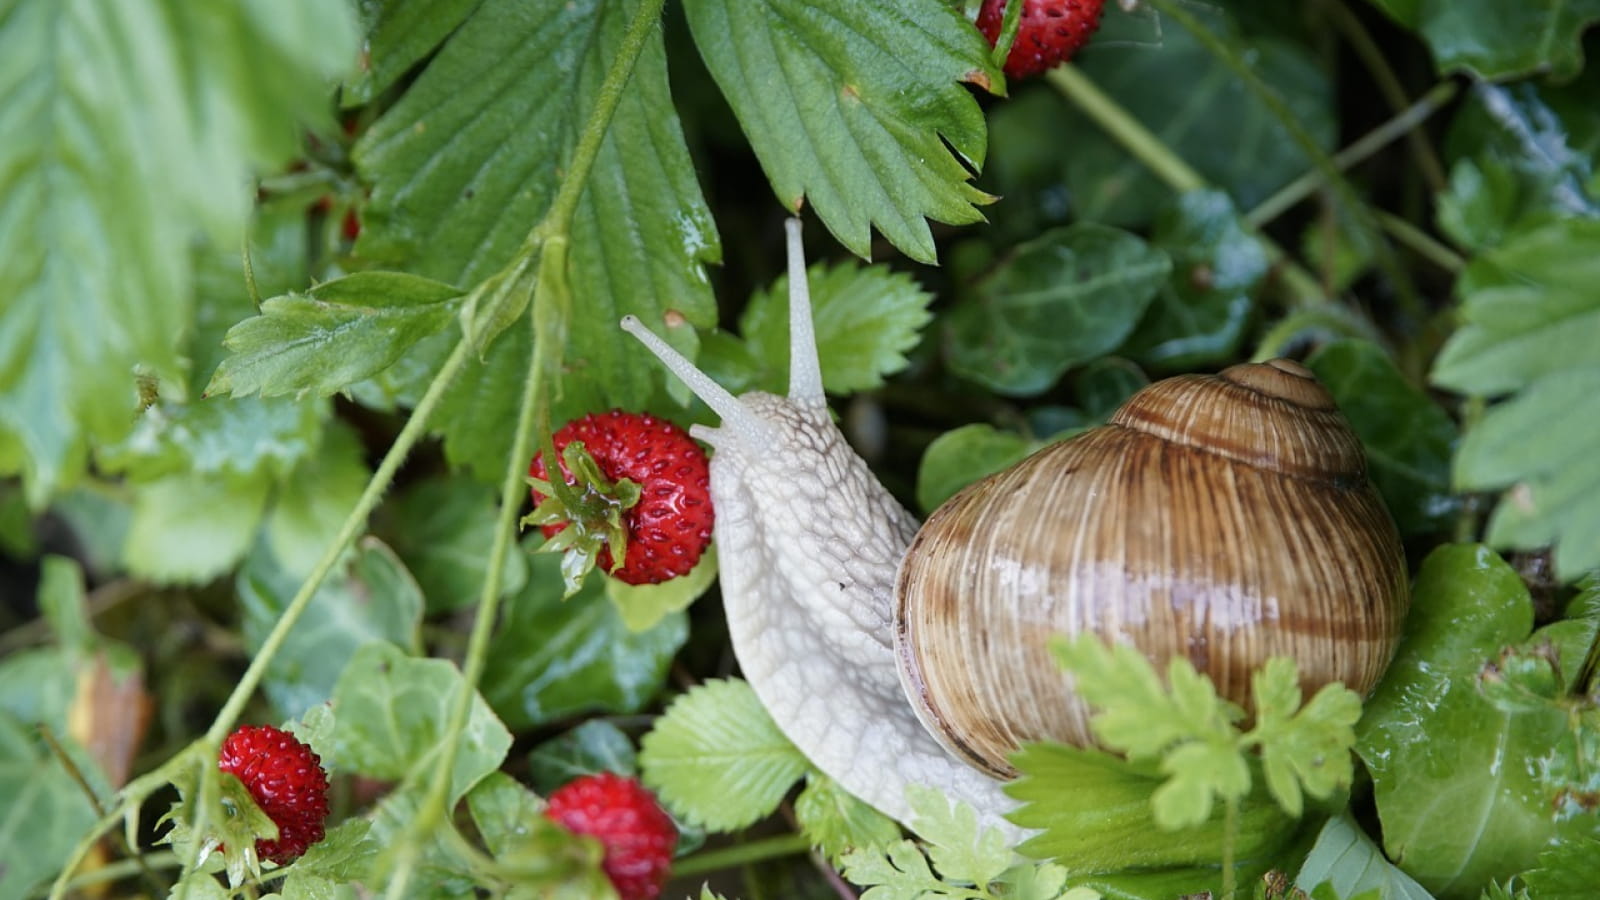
(286, 779)
(664, 519)
(638, 836)
(1049, 33)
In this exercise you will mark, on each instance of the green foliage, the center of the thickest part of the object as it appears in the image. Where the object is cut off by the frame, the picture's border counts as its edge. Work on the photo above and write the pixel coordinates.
(392, 709)
(957, 458)
(1408, 439)
(1351, 865)
(1496, 40)
(46, 811)
(960, 862)
(836, 822)
(552, 658)
(866, 319)
(443, 528)
(333, 335)
(539, 857)
(1192, 734)
(833, 97)
(594, 746)
(717, 759)
(1455, 815)
(1530, 322)
(1007, 337)
(132, 132)
(372, 600)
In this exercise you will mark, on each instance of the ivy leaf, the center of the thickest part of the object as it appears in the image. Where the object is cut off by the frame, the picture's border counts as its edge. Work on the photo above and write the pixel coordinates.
(392, 710)
(129, 130)
(1068, 296)
(332, 336)
(1215, 124)
(1500, 41)
(443, 528)
(854, 108)
(1530, 322)
(466, 163)
(46, 811)
(371, 599)
(866, 319)
(1199, 316)
(1351, 865)
(552, 658)
(594, 746)
(1407, 436)
(963, 455)
(836, 822)
(1455, 814)
(716, 758)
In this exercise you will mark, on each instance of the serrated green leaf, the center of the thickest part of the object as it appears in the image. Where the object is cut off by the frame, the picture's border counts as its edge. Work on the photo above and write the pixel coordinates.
(1351, 864)
(1302, 746)
(854, 108)
(959, 457)
(899, 872)
(43, 812)
(391, 711)
(133, 128)
(370, 599)
(1107, 823)
(1198, 773)
(1531, 319)
(1456, 812)
(1135, 711)
(836, 822)
(1066, 297)
(594, 746)
(866, 319)
(345, 854)
(399, 34)
(955, 846)
(1199, 316)
(188, 529)
(444, 528)
(247, 438)
(466, 163)
(1565, 871)
(716, 758)
(333, 335)
(552, 658)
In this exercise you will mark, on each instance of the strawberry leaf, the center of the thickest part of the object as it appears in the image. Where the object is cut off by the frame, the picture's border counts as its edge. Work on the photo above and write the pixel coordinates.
(854, 108)
(333, 335)
(835, 821)
(717, 759)
(466, 163)
(130, 131)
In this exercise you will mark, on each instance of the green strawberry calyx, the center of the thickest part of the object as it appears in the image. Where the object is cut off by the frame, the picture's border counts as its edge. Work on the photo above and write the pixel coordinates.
(593, 514)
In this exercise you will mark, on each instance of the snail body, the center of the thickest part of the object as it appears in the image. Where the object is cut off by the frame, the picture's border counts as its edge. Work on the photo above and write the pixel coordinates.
(1225, 518)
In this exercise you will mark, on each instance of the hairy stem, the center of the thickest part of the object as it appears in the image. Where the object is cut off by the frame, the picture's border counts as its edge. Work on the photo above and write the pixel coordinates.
(551, 312)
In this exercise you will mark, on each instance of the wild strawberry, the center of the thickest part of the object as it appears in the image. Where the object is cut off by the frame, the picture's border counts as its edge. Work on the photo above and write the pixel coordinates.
(286, 779)
(641, 482)
(1048, 34)
(638, 836)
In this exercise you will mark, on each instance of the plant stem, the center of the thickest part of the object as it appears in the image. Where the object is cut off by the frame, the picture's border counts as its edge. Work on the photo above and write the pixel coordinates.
(1365, 146)
(1238, 62)
(548, 323)
(1421, 243)
(1125, 129)
(116, 871)
(741, 854)
(1377, 64)
(1156, 156)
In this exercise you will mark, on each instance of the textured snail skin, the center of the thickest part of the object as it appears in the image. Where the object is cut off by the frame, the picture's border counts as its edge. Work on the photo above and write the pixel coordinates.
(1223, 518)
(808, 542)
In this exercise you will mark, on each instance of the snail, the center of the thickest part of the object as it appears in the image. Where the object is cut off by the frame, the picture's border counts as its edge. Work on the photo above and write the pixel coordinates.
(1226, 518)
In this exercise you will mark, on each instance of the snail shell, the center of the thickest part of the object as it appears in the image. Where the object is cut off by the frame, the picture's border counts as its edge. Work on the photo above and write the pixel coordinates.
(1227, 519)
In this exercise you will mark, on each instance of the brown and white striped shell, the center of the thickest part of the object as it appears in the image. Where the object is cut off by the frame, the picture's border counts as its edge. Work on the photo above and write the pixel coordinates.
(1225, 518)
